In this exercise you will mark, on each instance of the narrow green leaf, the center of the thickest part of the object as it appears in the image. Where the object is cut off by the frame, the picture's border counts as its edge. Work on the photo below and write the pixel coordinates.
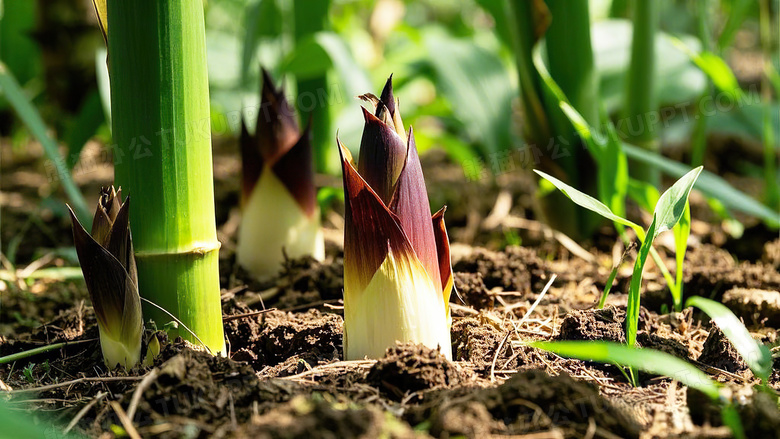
(634, 289)
(755, 354)
(595, 143)
(613, 172)
(709, 184)
(682, 230)
(713, 66)
(32, 119)
(671, 205)
(588, 202)
(263, 19)
(648, 360)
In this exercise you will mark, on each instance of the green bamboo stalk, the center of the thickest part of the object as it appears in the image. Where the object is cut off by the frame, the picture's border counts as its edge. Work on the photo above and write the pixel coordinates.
(523, 33)
(640, 95)
(160, 103)
(571, 65)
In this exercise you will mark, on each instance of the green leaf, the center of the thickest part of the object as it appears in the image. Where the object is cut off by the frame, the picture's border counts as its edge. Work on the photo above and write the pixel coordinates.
(755, 354)
(103, 82)
(671, 205)
(20, 425)
(588, 202)
(32, 119)
(713, 66)
(648, 360)
(644, 194)
(682, 230)
(634, 288)
(499, 11)
(477, 85)
(315, 55)
(651, 361)
(709, 184)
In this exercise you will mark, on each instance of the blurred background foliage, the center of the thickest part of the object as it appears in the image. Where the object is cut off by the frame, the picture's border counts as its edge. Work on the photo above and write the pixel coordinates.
(453, 64)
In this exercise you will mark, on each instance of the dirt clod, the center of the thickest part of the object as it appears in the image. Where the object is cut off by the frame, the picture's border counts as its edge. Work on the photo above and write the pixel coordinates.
(474, 342)
(316, 418)
(719, 352)
(409, 368)
(274, 337)
(529, 402)
(516, 269)
(471, 288)
(600, 324)
(754, 306)
(771, 255)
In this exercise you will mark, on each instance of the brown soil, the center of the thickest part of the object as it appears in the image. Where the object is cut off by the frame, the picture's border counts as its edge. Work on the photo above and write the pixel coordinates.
(285, 378)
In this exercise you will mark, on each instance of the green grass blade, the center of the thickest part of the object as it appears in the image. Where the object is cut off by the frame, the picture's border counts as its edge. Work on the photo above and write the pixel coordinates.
(671, 205)
(634, 289)
(524, 22)
(648, 360)
(682, 230)
(588, 202)
(755, 354)
(709, 184)
(31, 118)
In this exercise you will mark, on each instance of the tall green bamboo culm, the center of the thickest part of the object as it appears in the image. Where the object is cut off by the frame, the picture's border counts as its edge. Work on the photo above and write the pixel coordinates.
(160, 104)
(571, 65)
(640, 100)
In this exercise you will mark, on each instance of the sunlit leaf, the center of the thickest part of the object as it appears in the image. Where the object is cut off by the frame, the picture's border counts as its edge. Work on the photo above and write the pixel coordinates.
(671, 204)
(709, 184)
(588, 202)
(755, 354)
(648, 360)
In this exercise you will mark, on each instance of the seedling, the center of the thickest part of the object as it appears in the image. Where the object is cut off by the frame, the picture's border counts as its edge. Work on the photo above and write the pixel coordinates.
(668, 211)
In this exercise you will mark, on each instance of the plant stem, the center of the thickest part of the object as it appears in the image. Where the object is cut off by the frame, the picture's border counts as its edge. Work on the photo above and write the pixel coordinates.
(161, 124)
(40, 350)
(571, 65)
(640, 97)
(522, 31)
